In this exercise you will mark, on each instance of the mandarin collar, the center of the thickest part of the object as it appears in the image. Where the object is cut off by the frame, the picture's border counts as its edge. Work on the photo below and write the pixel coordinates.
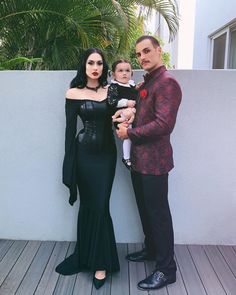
(156, 72)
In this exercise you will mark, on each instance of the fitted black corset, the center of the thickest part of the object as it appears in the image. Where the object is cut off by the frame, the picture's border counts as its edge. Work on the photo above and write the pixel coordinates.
(97, 133)
(95, 138)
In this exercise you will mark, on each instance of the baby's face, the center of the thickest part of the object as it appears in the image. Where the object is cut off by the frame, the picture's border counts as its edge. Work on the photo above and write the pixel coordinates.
(123, 73)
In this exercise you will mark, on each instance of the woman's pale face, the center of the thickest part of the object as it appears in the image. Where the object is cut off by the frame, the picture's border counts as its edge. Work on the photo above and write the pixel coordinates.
(94, 66)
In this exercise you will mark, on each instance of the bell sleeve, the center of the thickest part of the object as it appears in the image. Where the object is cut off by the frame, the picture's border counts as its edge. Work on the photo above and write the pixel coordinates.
(70, 158)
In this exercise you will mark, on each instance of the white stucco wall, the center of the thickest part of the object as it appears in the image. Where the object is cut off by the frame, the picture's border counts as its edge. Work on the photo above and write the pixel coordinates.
(181, 48)
(210, 16)
(34, 203)
(197, 20)
(183, 45)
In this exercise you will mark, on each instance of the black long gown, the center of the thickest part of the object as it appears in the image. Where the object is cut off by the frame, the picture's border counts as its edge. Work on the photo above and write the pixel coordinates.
(89, 163)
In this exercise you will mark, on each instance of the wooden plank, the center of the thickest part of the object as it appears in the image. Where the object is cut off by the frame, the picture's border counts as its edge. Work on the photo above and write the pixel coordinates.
(83, 284)
(205, 271)
(178, 288)
(150, 267)
(222, 269)
(25, 267)
(120, 280)
(10, 259)
(17, 273)
(137, 271)
(65, 284)
(230, 257)
(234, 248)
(36, 269)
(188, 270)
(5, 245)
(49, 279)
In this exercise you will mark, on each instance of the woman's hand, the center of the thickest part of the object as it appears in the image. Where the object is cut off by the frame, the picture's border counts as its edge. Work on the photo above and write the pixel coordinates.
(124, 115)
(117, 117)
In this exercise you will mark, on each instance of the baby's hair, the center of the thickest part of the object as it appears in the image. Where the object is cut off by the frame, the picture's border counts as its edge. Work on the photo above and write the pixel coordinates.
(119, 61)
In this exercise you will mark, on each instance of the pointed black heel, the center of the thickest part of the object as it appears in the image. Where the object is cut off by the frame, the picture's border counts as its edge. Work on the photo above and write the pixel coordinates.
(98, 283)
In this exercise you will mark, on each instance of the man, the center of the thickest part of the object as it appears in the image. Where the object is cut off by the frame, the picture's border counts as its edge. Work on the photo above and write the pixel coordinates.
(151, 158)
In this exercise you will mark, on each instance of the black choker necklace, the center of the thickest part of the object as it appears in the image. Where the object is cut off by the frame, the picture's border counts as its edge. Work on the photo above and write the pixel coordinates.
(93, 88)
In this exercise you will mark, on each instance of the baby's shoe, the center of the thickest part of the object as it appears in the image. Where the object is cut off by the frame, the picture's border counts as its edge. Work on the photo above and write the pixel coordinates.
(127, 163)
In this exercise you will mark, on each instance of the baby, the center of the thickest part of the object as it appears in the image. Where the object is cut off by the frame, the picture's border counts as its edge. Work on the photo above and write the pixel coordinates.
(122, 94)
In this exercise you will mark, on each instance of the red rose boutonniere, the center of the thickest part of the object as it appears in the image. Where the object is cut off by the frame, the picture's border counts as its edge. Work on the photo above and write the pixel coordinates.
(143, 93)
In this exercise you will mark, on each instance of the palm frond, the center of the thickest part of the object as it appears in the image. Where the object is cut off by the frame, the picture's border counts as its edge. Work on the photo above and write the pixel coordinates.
(168, 9)
(58, 31)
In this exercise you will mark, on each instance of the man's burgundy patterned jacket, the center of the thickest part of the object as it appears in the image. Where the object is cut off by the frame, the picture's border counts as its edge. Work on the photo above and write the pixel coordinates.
(157, 107)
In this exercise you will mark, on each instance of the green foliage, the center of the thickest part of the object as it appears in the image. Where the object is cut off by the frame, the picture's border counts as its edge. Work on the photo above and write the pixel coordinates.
(18, 62)
(132, 57)
(166, 59)
(58, 31)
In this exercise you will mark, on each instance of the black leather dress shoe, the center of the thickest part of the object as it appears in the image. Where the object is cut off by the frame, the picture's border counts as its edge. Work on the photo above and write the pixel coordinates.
(156, 280)
(139, 256)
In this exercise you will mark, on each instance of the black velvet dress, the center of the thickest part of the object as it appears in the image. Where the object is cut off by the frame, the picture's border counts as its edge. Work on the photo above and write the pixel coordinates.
(89, 164)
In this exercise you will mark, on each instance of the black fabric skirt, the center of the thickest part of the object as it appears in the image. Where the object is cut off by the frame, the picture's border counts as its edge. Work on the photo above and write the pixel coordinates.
(96, 246)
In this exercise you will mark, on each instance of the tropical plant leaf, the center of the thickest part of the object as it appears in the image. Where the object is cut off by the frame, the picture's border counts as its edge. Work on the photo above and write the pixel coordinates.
(58, 31)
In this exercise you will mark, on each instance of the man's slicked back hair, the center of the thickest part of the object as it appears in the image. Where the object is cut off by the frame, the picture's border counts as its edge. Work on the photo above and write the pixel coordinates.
(153, 40)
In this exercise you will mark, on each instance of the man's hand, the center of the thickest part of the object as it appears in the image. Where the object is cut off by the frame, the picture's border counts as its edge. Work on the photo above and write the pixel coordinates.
(122, 131)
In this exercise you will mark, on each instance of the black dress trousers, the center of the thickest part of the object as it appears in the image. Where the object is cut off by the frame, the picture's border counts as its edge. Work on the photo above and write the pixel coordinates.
(151, 192)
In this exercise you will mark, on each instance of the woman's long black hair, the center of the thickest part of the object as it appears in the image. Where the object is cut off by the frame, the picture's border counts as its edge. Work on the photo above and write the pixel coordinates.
(80, 80)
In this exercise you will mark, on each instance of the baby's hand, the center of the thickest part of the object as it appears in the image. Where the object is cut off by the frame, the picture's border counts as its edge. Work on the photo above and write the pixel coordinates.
(128, 114)
(131, 103)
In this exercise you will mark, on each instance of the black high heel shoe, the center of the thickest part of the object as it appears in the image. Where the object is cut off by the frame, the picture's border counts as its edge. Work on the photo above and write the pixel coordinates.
(98, 283)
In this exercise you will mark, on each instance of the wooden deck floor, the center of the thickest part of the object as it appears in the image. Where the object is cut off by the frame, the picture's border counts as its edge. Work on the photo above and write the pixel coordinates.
(27, 268)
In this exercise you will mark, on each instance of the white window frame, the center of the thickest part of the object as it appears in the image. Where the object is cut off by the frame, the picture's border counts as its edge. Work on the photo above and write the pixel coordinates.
(226, 29)
(232, 28)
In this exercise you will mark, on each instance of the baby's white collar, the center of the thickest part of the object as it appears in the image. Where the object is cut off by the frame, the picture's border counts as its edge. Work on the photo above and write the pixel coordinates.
(130, 83)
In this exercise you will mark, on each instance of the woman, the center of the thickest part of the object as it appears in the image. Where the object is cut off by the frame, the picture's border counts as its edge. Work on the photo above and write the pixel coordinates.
(89, 163)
